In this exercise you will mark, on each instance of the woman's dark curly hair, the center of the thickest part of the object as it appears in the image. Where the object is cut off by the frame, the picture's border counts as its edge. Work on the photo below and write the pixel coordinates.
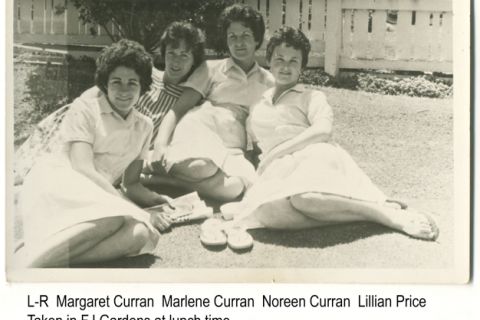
(125, 53)
(292, 38)
(193, 37)
(248, 16)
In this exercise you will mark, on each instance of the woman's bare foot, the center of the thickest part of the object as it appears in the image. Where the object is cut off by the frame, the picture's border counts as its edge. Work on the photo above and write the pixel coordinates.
(231, 209)
(414, 223)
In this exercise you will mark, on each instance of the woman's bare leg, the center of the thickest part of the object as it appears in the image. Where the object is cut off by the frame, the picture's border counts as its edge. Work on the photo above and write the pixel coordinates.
(278, 214)
(194, 170)
(336, 209)
(129, 240)
(57, 249)
(113, 234)
(207, 179)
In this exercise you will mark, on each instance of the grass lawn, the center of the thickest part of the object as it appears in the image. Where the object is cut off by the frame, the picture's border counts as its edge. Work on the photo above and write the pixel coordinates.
(405, 145)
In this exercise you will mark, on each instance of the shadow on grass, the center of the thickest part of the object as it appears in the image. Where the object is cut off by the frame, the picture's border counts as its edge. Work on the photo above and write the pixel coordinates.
(316, 238)
(321, 237)
(143, 261)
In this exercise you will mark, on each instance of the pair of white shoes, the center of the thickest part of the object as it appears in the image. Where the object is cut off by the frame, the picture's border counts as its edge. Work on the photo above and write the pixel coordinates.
(217, 233)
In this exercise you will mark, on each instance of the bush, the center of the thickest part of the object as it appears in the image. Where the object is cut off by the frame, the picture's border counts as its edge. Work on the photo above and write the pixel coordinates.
(145, 20)
(317, 77)
(47, 88)
(421, 86)
(53, 86)
(414, 86)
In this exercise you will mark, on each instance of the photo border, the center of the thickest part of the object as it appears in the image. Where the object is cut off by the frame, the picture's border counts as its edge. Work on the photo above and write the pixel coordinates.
(459, 273)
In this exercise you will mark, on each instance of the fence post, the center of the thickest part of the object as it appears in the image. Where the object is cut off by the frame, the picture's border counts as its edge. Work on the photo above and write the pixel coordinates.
(16, 27)
(333, 37)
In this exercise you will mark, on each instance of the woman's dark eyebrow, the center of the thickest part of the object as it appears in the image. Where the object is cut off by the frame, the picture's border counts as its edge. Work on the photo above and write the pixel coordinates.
(242, 32)
(119, 78)
(182, 51)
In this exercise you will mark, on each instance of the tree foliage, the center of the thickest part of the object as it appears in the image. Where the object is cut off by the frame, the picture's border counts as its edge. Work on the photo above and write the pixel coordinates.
(145, 20)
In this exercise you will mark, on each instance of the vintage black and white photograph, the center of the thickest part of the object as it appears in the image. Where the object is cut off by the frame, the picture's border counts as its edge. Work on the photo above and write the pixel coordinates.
(325, 138)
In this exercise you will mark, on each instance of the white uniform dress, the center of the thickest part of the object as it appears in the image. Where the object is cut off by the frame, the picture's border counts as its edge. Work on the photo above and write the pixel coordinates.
(54, 196)
(215, 130)
(318, 167)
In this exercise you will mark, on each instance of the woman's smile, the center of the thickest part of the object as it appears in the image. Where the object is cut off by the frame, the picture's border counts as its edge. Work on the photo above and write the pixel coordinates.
(176, 69)
(286, 65)
(123, 89)
(124, 98)
(241, 44)
(178, 62)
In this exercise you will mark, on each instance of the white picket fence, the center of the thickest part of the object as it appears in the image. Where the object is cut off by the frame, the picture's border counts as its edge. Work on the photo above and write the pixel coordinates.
(413, 35)
(36, 21)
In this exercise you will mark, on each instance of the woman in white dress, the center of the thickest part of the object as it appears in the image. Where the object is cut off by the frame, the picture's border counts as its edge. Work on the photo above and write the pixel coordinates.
(305, 180)
(72, 213)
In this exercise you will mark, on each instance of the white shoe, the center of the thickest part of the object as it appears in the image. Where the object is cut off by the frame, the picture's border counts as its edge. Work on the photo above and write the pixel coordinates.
(231, 209)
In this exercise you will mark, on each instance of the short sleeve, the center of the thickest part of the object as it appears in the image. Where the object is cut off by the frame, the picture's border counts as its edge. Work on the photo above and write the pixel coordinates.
(146, 144)
(79, 122)
(92, 93)
(319, 112)
(200, 80)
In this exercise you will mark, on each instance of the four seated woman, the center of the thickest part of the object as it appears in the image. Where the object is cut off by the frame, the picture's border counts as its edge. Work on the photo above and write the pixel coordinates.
(304, 179)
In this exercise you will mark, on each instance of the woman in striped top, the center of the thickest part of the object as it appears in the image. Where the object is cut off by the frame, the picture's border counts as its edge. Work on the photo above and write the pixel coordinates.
(182, 50)
(159, 100)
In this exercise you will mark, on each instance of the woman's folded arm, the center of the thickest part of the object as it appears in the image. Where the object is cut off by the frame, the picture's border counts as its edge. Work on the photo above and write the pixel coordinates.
(314, 134)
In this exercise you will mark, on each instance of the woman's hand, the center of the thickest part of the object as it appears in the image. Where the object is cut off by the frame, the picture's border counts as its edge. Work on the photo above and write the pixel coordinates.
(158, 160)
(160, 221)
(159, 152)
(319, 133)
(161, 198)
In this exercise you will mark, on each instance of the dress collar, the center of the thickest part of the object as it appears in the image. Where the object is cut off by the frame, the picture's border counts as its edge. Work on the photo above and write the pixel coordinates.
(231, 64)
(106, 108)
(296, 88)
